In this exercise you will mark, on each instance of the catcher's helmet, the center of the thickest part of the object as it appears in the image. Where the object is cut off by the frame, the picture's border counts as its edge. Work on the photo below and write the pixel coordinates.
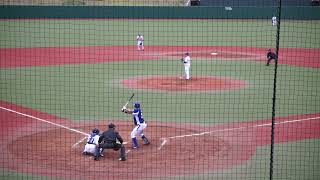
(136, 105)
(95, 131)
(111, 125)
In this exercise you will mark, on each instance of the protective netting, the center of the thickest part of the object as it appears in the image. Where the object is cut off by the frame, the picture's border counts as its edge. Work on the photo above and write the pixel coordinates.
(228, 89)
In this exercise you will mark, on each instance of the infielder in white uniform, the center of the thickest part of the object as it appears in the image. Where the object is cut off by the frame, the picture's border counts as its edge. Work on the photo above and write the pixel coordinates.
(140, 41)
(274, 21)
(186, 60)
(92, 142)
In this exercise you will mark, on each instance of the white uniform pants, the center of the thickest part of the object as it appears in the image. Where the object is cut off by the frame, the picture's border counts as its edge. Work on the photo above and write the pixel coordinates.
(187, 71)
(90, 148)
(138, 130)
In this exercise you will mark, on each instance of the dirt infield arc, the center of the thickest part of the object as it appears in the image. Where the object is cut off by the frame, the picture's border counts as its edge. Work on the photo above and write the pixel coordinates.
(47, 56)
(56, 151)
(179, 84)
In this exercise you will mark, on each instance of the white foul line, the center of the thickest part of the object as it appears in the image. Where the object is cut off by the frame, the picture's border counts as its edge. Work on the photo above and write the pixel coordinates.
(165, 139)
(32, 117)
(55, 124)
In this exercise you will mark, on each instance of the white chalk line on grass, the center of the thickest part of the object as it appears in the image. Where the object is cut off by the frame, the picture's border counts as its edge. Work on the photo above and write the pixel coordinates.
(52, 123)
(39, 119)
(164, 140)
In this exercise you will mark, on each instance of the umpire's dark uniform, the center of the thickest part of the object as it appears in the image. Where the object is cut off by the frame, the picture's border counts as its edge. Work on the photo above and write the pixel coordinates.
(270, 56)
(108, 140)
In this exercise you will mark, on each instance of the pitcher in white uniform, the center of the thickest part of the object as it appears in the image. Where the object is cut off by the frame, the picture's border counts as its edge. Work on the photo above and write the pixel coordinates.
(186, 60)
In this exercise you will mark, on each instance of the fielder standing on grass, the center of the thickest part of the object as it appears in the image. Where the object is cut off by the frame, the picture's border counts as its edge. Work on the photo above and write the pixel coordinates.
(186, 60)
(139, 122)
(274, 21)
(140, 42)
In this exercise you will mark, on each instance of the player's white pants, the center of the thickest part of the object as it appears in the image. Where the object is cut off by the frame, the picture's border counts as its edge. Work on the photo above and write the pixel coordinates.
(274, 23)
(140, 45)
(138, 130)
(187, 71)
(89, 148)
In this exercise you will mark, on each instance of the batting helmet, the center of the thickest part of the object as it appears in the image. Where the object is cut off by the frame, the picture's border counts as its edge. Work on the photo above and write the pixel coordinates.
(111, 125)
(95, 131)
(186, 53)
(136, 105)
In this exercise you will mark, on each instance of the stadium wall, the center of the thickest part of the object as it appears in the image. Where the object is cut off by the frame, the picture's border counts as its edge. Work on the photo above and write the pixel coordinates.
(27, 12)
(259, 3)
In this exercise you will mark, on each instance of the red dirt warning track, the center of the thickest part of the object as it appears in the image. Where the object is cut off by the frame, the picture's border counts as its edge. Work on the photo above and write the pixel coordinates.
(185, 153)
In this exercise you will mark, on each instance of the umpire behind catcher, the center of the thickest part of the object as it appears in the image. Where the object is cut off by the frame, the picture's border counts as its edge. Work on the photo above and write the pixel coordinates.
(108, 140)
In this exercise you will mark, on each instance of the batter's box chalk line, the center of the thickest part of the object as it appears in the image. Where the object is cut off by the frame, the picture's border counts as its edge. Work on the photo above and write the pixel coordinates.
(80, 141)
(163, 141)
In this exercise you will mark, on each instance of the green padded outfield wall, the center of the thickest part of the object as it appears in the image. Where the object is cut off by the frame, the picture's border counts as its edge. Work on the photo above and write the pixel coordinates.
(9, 12)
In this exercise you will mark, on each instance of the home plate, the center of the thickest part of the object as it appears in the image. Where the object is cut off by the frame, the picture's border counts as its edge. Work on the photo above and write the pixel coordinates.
(214, 53)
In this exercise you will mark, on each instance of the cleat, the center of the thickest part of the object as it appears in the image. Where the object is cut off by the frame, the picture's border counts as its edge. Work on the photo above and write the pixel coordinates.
(122, 159)
(145, 140)
(146, 143)
(101, 155)
(84, 153)
(96, 158)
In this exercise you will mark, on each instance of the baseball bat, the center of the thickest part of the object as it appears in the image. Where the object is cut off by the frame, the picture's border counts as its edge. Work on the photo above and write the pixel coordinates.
(129, 100)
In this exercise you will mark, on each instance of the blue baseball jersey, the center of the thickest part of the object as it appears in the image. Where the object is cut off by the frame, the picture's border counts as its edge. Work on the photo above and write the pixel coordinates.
(137, 116)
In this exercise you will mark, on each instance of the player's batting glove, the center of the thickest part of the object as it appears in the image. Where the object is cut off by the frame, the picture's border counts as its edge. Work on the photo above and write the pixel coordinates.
(124, 108)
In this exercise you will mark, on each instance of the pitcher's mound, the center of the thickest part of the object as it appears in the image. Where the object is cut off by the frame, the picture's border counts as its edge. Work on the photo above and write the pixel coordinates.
(176, 83)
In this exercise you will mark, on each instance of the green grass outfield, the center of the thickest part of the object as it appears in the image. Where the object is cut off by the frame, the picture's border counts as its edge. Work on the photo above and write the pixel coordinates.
(92, 91)
(258, 33)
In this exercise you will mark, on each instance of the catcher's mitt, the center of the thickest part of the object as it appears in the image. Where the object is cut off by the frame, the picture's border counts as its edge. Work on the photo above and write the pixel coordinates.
(140, 44)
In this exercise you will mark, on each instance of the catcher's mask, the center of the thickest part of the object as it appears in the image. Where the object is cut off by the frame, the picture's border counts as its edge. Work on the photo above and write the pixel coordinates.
(95, 131)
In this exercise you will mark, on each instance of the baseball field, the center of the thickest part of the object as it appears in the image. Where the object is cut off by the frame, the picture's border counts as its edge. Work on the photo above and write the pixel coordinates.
(60, 78)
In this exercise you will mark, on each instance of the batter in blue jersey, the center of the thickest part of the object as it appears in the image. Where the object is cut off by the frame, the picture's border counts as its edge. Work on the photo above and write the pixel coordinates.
(139, 122)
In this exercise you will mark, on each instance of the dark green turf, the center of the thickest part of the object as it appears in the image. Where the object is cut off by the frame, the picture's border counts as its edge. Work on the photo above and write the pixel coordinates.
(35, 33)
(94, 91)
